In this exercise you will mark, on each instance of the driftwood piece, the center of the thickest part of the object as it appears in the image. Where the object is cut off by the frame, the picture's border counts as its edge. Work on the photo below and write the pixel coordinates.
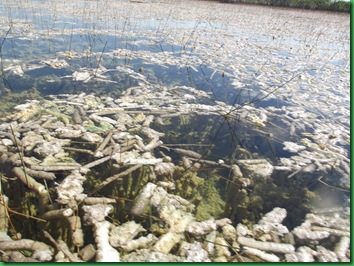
(332, 231)
(342, 247)
(188, 153)
(266, 246)
(98, 200)
(3, 213)
(97, 162)
(57, 214)
(55, 168)
(212, 163)
(77, 234)
(40, 174)
(11, 136)
(16, 256)
(61, 246)
(79, 150)
(115, 177)
(41, 249)
(33, 184)
(261, 254)
(104, 143)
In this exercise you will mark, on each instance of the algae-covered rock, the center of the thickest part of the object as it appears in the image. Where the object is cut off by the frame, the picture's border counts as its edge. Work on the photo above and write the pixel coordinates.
(100, 127)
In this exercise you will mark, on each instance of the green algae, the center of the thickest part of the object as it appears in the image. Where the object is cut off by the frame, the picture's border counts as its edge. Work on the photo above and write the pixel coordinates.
(99, 127)
(187, 182)
(9, 99)
(211, 204)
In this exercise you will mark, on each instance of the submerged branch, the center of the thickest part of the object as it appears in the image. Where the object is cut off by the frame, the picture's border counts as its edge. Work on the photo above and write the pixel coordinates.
(115, 177)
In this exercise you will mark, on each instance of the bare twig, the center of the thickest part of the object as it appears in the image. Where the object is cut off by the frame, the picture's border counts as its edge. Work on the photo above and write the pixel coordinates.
(61, 246)
(115, 177)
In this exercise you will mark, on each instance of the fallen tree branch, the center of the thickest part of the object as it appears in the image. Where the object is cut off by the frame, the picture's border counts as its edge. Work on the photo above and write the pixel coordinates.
(61, 246)
(115, 177)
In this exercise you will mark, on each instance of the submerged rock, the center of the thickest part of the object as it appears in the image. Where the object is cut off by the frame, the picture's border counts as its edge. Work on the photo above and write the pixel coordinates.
(257, 168)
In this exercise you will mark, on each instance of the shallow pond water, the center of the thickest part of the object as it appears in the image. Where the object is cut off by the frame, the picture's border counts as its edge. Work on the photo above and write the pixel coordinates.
(292, 66)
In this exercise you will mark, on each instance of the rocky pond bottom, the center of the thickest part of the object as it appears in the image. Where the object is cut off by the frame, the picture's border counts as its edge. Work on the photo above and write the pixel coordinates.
(87, 178)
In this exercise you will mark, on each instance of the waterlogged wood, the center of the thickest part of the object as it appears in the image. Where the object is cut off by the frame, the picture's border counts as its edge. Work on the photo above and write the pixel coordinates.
(98, 200)
(342, 247)
(266, 246)
(55, 168)
(61, 246)
(188, 153)
(212, 163)
(40, 174)
(57, 214)
(22, 244)
(262, 255)
(117, 176)
(28, 244)
(97, 162)
(40, 189)
(4, 200)
(79, 150)
(332, 231)
(11, 136)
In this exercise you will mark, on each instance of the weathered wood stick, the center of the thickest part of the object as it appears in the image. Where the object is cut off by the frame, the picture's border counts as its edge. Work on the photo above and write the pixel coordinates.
(40, 174)
(79, 150)
(342, 247)
(57, 214)
(115, 177)
(332, 231)
(3, 213)
(17, 256)
(27, 244)
(98, 200)
(261, 254)
(210, 162)
(55, 168)
(33, 185)
(97, 162)
(61, 246)
(11, 136)
(104, 142)
(188, 153)
(266, 246)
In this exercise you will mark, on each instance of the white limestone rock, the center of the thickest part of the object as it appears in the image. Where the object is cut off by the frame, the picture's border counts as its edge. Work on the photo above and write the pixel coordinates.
(193, 252)
(257, 168)
(91, 137)
(95, 213)
(105, 252)
(229, 233)
(201, 228)
(70, 188)
(293, 147)
(121, 235)
(271, 222)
